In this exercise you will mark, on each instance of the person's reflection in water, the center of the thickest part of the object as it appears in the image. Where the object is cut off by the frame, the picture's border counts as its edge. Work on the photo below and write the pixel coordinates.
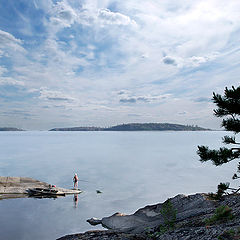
(75, 200)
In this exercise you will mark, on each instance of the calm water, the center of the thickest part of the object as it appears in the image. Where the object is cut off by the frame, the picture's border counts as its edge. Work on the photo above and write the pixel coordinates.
(132, 169)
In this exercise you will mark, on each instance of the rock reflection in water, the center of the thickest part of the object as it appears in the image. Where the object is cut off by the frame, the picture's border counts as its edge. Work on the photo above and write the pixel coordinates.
(13, 196)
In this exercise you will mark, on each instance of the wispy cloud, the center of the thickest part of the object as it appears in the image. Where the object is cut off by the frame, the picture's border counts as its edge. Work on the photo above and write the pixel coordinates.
(7, 39)
(202, 99)
(54, 95)
(143, 99)
(9, 44)
(10, 81)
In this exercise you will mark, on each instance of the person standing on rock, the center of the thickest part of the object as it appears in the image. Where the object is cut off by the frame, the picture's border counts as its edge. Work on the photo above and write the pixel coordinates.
(75, 181)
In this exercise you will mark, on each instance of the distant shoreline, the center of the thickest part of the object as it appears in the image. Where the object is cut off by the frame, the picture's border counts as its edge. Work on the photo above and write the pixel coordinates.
(4, 129)
(138, 127)
(127, 127)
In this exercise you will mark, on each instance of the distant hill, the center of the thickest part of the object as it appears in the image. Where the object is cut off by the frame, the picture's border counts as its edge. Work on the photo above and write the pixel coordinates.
(10, 129)
(154, 127)
(78, 129)
(138, 127)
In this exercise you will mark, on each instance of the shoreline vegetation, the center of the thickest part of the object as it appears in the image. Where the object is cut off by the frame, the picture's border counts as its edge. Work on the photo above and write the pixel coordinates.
(138, 127)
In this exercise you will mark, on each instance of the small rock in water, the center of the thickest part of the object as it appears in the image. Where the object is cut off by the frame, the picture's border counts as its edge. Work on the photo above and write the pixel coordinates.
(94, 221)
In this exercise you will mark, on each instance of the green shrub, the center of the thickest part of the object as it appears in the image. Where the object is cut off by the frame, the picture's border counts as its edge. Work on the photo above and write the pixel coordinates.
(222, 214)
(169, 214)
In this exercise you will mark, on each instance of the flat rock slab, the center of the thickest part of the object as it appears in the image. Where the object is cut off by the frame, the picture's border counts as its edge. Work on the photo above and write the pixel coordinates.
(151, 216)
(11, 187)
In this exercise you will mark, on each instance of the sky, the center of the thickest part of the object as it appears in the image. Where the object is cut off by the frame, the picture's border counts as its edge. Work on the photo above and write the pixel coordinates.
(66, 63)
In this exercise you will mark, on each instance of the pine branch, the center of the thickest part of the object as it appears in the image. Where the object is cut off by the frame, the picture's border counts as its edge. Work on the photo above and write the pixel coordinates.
(229, 104)
(231, 125)
(233, 93)
(229, 140)
(218, 157)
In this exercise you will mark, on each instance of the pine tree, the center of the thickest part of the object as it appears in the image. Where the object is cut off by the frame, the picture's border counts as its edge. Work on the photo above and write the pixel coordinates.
(228, 106)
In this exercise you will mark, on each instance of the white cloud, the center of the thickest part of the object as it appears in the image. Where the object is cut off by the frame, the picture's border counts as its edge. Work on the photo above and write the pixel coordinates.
(63, 14)
(127, 97)
(10, 81)
(193, 61)
(195, 29)
(7, 38)
(198, 60)
(108, 17)
(9, 43)
(51, 95)
(3, 70)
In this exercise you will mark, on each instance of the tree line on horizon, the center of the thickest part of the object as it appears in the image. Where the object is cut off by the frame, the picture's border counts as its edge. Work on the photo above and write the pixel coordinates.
(138, 127)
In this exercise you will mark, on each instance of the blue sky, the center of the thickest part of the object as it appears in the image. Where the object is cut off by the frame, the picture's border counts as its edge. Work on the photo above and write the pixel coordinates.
(100, 63)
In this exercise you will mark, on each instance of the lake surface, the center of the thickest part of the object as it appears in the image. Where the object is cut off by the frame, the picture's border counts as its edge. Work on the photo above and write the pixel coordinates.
(132, 169)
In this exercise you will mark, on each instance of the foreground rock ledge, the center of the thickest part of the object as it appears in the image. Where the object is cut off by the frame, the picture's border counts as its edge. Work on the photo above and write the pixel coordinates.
(191, 212)
(16, 187)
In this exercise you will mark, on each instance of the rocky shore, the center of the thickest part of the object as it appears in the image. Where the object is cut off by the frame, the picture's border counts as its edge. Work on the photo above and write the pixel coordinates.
(179, 218)
(17, 187)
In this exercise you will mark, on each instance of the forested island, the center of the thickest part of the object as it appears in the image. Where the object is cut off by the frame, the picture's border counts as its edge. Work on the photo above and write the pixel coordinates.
(10, 129)
(138, 127)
